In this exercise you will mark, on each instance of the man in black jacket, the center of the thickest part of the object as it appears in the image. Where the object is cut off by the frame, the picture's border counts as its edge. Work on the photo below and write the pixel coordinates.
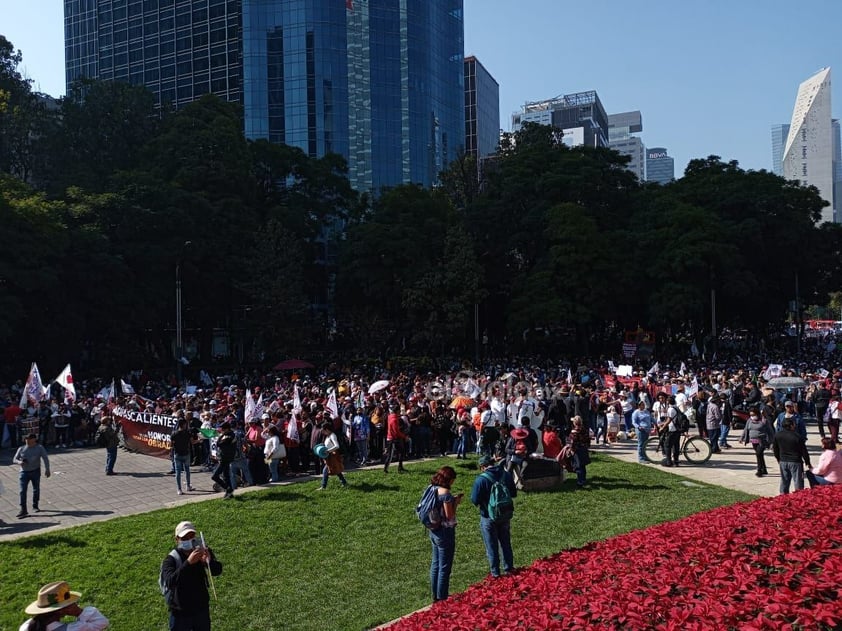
(184, 575)
(790, 451)
(226, 446)
(822, 401)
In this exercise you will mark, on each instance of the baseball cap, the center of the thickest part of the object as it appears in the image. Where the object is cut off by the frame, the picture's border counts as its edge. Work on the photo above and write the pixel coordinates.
(183, 528)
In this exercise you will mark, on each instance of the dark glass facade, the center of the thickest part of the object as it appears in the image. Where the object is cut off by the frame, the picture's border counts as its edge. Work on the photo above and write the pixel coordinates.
(659, 166)
(179, 49)
(482, 110)
(377, 81)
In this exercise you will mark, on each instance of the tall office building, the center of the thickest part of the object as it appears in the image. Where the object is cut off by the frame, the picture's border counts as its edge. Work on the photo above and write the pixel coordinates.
(837, 169)
(379, 82)
(620, 129)
(808, 153)
(580, 115)
(482, 110)
(660, 167)
(779, 135)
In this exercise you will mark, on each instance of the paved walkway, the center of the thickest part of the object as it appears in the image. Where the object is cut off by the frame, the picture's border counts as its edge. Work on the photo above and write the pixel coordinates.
(733, 468)
(79, 492)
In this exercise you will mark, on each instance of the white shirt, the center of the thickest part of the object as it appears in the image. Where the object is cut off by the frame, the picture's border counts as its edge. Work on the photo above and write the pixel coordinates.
(681, 401)
(331, 443)
(498, 409)
(89, 620)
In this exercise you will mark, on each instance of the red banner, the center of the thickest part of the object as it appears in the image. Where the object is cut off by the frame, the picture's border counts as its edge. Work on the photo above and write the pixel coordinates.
(145, 432)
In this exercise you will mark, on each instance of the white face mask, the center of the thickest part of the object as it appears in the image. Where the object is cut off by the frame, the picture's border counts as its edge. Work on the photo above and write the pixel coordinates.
(188, 545)
(754, 417)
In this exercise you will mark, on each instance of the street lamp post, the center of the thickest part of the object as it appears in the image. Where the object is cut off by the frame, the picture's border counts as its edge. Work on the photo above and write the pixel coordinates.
(179, 343)
(179, 349)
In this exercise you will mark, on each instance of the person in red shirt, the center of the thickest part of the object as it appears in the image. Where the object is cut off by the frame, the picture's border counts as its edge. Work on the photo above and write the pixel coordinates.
(11, 414)
(395, 439)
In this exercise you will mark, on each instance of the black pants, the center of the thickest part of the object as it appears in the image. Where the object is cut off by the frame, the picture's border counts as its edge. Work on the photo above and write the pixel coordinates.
(820, 410)
(672, 443)
(761, 460)
(222, 475)
(393, 446)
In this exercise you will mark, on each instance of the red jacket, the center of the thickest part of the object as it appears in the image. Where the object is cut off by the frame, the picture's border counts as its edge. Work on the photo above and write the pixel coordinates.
(393, 428)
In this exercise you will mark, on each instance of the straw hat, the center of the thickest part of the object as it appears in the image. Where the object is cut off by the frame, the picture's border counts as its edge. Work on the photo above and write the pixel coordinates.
(53, 597)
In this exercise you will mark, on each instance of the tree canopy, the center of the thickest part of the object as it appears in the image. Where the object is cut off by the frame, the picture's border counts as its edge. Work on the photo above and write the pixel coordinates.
(103, 197)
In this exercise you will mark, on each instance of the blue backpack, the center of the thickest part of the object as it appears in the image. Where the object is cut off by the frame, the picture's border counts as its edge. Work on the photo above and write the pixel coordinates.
(429, 508)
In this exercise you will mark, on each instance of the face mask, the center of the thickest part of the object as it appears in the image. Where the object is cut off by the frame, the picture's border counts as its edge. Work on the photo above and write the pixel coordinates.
(188, 545)
(753, 417)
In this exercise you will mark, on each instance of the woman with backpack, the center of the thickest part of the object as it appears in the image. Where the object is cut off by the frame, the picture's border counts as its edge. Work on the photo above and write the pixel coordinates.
(443, 537)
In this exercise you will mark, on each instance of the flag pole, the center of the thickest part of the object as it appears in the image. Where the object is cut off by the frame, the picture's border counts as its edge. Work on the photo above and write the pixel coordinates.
(207, 566)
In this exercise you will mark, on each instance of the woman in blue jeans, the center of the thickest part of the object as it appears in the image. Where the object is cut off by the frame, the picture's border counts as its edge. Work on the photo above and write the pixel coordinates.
(443, 538)
(642, 423)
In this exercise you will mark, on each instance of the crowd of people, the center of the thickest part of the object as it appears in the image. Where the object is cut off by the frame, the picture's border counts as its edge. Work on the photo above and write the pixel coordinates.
(508, 416)
(505, 410)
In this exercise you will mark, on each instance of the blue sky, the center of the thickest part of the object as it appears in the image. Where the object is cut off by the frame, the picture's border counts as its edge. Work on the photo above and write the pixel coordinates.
(709, 76)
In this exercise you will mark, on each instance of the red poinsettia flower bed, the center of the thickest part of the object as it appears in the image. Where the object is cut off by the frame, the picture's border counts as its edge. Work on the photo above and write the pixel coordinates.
(774, 563)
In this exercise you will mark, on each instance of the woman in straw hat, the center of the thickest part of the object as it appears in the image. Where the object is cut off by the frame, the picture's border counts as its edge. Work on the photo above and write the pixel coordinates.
(54, 602)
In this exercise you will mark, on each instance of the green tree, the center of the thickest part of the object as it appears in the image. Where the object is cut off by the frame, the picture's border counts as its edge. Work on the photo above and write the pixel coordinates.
(100, 129)
(22, 117)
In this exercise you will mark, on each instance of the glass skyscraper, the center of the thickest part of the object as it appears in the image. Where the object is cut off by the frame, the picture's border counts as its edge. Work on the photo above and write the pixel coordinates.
(779, 134)
(482, 110)
(379, 82)
(620, 129)
(660, 167)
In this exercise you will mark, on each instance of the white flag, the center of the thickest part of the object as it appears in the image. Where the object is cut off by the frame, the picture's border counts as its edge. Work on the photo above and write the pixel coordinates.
(656, 367)
(332, 407)
(34, 389)
(110, 395)
(65, 380)
(205, 378)
(292, 428)
(774, 370)
(683, 369)
(248, 413)
(472, 389)
(611, 367)
(127, 387)
(296, 398)
(693, 388)
(258, 407)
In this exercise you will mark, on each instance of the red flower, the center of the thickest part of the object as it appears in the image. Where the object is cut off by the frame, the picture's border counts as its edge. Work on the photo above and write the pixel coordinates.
(776, 563)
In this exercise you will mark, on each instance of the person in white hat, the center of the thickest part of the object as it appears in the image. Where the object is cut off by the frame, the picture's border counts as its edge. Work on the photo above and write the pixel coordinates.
(184, 577)
(54, 602)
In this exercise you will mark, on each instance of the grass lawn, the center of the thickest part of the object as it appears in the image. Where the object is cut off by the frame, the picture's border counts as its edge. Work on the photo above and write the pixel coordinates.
(339, 559)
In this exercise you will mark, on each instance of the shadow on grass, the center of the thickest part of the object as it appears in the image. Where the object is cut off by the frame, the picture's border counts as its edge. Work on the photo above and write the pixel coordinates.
(368, 487)
(595, 483)
(275, 496)
(46, 541)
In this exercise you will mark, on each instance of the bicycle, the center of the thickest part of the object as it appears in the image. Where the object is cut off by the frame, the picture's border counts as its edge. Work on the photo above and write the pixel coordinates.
(695, 448)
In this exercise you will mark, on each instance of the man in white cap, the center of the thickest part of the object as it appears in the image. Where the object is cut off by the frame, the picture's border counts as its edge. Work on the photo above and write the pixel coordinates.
(184, 577)
(54, 602)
